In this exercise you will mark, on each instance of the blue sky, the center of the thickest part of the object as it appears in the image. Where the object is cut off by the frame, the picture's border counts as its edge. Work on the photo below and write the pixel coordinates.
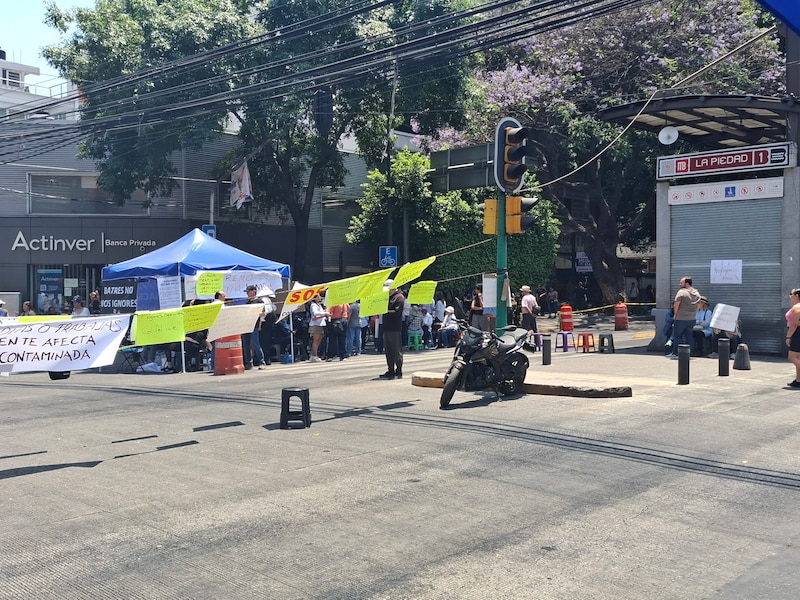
(22, 33)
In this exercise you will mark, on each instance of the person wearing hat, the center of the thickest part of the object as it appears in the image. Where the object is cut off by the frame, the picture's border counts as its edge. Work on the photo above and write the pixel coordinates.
(251, 345)
(3, 311)
(701, 332)
(447, 332)
(78, 309)
(529, 307)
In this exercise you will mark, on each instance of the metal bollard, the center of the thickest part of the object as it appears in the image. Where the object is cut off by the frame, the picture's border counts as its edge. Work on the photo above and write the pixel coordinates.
(724, 356)
(684, 351)
(547, 349)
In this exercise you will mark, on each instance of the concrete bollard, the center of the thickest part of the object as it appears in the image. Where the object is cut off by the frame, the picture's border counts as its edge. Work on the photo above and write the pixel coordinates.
(742, 360)
(684, 351)
(547, 349)
(724, 356)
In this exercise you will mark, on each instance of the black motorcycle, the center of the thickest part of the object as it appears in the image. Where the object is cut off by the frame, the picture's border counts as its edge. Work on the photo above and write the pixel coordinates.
(484, 361)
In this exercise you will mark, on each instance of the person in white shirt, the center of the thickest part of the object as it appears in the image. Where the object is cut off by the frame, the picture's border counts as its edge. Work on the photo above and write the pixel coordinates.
(447, 332)
(78, 309)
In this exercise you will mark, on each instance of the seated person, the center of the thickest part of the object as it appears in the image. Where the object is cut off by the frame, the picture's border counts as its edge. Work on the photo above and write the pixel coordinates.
(734, 336)
(427, 324)
(701, 333)
(449, 328)
(282, 334)
(194, 344)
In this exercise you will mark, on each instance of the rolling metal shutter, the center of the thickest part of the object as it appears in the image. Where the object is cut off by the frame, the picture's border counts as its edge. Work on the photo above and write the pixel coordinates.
(746, 230)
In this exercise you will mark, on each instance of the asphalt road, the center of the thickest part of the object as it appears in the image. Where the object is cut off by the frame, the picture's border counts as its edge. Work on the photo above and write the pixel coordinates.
(183, 485)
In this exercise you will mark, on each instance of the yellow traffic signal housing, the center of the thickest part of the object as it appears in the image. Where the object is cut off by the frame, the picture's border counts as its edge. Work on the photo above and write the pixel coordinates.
(516, 207)
(490, 217)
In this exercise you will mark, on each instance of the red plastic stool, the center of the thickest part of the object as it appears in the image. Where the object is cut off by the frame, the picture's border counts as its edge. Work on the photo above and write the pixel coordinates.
(586, 341)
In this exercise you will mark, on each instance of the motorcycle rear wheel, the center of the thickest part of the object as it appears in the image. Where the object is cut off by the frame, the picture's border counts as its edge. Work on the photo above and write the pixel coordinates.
(451, 381)
(514, 371)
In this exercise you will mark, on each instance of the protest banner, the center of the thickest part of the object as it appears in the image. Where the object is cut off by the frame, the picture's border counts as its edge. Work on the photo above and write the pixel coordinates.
(725, 317)
(412, 271)
(233, 320)
(375, 305)
(65, 345)
(422, 292)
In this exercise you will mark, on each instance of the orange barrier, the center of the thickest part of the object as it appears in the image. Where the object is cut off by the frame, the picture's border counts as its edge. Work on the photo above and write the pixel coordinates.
(565, 318)
(620, 316)
(228, 359)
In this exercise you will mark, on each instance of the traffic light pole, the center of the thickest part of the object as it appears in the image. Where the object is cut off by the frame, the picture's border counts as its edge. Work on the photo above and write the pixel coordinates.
(502, 262)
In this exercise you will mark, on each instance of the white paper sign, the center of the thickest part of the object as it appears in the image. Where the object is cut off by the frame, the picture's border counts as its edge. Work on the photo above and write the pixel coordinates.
(169, 292)
(67, 345)
(726, 271)
(235, 283)
(725, 317)
(233, 320)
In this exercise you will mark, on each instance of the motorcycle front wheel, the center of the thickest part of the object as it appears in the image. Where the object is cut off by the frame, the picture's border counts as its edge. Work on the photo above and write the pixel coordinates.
(514, 371)
(451, 381)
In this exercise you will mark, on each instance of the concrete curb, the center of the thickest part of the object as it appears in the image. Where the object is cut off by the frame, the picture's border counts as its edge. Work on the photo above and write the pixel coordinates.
(434, 380)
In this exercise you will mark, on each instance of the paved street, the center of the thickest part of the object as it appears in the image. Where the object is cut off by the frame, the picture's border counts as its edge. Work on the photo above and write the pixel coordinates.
(183, 485)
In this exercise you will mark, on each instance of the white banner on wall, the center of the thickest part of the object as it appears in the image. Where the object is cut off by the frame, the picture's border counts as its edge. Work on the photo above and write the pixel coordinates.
(726, 271)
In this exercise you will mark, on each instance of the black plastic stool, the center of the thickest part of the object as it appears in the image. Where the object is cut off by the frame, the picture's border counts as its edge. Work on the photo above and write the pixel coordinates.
(606, 341)
(304, 414)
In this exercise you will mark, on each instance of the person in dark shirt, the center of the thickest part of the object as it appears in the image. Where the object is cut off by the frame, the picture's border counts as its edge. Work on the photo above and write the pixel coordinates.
(393, 333)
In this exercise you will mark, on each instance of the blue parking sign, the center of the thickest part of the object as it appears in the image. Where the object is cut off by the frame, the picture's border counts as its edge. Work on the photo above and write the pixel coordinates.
(387, 257)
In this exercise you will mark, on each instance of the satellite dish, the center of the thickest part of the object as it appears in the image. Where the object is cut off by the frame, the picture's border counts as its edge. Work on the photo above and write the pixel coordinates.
(668, 135)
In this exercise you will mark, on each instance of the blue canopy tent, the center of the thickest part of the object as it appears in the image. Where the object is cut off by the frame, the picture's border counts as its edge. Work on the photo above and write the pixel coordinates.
(194, 252)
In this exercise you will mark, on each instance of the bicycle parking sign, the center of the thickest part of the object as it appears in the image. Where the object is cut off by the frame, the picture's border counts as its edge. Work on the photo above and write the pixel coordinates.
(387, 257)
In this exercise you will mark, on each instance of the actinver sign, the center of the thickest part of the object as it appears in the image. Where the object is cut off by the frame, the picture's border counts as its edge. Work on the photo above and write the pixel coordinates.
(50, 243)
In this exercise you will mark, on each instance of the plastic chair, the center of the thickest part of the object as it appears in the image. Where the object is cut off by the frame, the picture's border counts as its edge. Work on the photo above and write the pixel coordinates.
(131, 357)
(564, 339)
(586, 342)
(415, 341)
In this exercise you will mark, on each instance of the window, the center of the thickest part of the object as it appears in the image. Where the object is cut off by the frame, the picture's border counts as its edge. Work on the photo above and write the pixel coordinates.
(78, 195)
(12, 78)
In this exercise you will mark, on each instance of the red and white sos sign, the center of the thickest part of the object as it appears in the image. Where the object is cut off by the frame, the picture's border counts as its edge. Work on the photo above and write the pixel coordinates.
(303, 295)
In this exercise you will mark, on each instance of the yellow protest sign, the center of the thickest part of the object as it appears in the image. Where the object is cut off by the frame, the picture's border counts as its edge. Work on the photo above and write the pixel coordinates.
(200, 317)
(159, 327)
(422, 292)
(343, 291)
(209, 283)
(375, 305)
(372, 283)
(412, 271)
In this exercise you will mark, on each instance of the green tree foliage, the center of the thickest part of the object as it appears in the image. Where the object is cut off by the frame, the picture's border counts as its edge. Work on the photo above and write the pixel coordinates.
(556, 82)
(442, 224)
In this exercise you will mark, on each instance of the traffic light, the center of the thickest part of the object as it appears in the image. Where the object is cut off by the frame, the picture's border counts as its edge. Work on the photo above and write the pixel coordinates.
(516, 207)
(489, 223)
(510, 148)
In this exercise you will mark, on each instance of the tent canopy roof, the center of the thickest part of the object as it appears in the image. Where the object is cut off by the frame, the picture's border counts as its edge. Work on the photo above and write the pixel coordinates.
(194, 252)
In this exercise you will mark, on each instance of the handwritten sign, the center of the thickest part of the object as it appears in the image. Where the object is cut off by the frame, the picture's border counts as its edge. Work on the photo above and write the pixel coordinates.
(343, 291)
(422, 292)
(65, 345)
(725, 317)
(726, 271)
(233, 320)
(157, 327)
(209, 283)
(200, 317)
(412, 271)
(234, 283)
(375, 305)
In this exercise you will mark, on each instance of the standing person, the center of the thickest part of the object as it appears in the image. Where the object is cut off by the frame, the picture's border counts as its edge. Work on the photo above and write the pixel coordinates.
(94, 302)
(793, 335)
(392, 333)
(78, 309)
(316, 326)
(251, 345)
(684, 308)
(3, 311)
(352, 341)
(476, 318)
(337, 329)
(552, 302)
(529, 308)
(265, 336)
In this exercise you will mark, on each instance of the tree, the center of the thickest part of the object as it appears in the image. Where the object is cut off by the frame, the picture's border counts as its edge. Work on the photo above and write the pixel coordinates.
(556, 82)
(286, 88)
(442, 224)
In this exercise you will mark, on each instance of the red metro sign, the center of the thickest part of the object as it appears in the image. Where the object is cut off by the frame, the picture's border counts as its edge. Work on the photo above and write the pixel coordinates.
(753, 158)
